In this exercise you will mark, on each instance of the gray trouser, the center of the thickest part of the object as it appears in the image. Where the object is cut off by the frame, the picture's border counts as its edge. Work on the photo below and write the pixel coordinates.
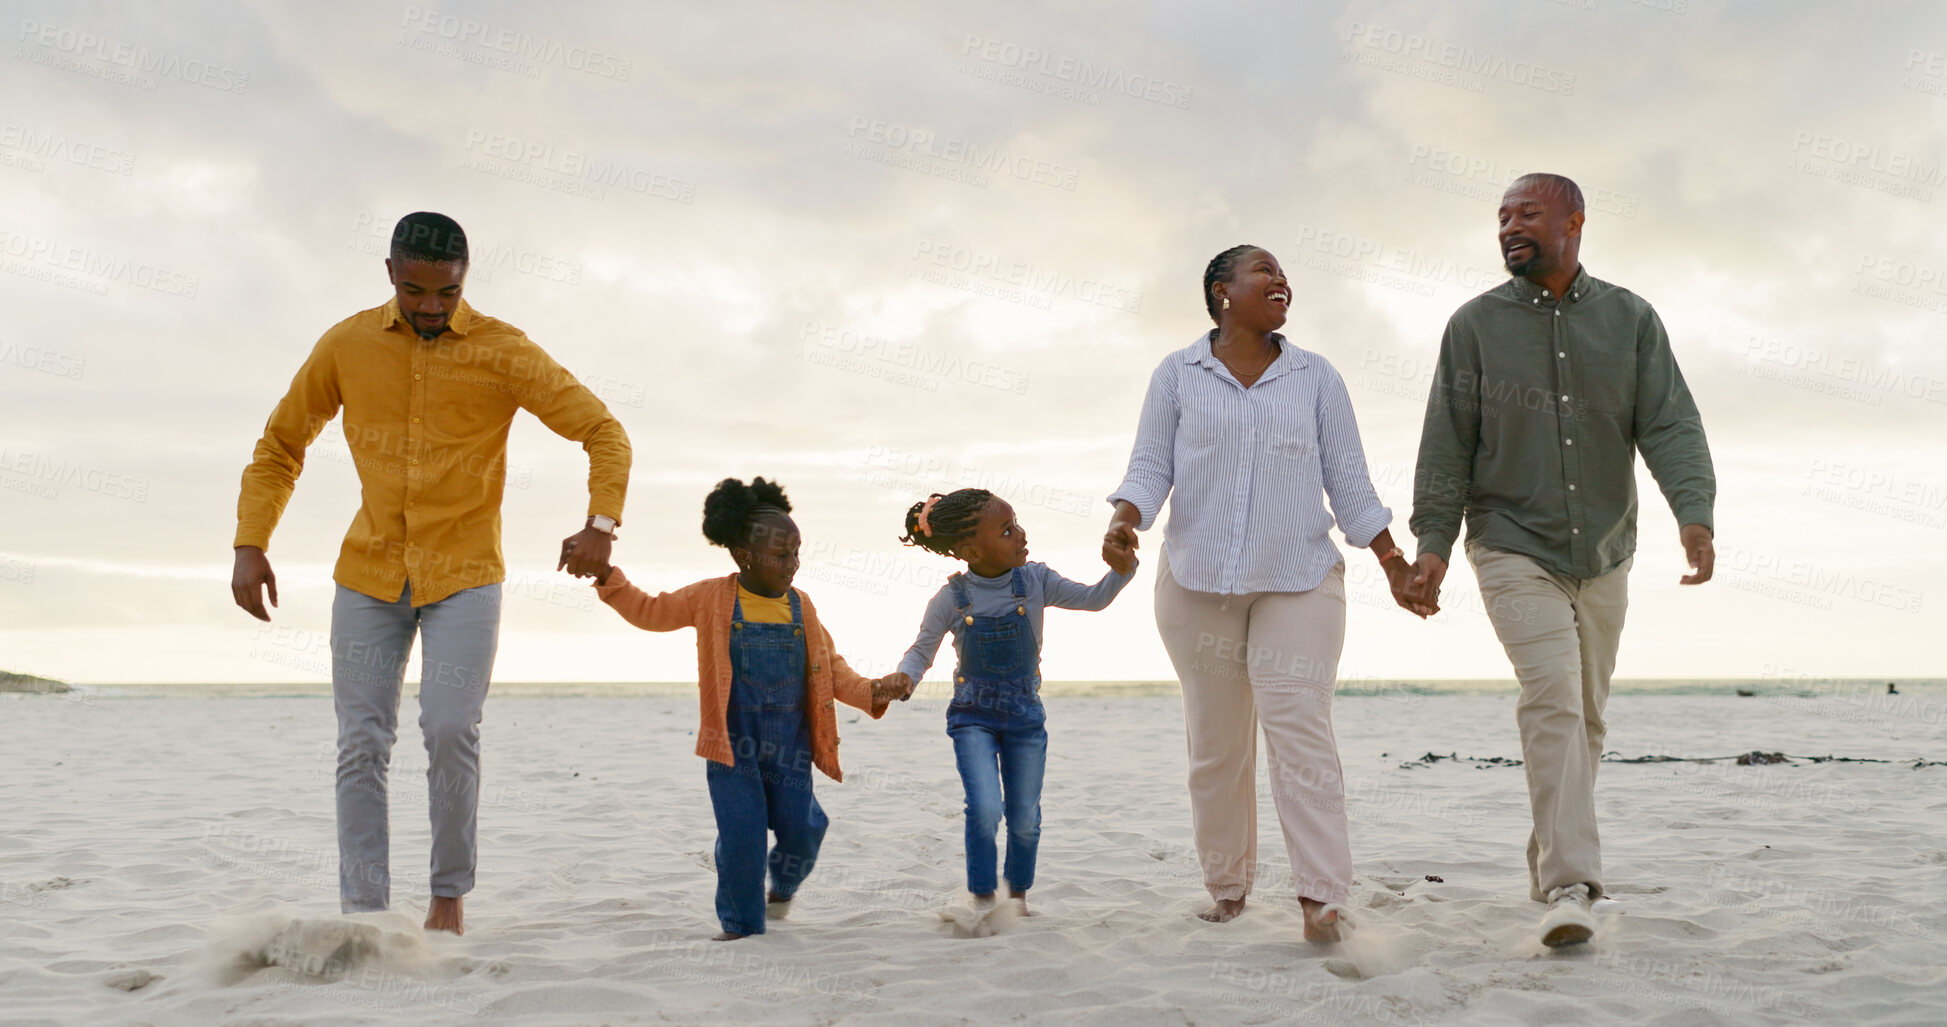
(1561, 634)
(370, 641)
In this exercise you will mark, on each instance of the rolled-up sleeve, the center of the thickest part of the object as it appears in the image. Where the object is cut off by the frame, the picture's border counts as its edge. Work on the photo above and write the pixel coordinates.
(1152, 460)
(1342, 460)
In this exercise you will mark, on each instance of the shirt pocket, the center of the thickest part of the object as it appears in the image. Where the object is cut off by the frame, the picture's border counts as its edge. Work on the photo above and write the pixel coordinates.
(1609, 381)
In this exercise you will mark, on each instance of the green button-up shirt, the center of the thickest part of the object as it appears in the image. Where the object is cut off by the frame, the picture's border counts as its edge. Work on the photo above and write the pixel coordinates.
(1539, 405)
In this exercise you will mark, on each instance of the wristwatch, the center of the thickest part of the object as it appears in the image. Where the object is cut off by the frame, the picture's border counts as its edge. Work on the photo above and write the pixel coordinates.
(603, 524)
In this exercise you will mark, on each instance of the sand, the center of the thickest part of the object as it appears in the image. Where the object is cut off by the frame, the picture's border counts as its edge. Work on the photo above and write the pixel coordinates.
(172, 861)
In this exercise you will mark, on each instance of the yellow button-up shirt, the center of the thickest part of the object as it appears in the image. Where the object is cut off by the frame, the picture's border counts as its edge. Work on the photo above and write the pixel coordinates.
(426, 421)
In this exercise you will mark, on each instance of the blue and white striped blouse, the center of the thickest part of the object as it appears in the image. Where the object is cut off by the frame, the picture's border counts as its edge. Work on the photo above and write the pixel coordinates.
(1251, 469)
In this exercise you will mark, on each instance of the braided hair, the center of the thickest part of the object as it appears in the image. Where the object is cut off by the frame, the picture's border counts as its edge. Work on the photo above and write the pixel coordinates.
(732, 507)
(951, 522)
(1221, 267)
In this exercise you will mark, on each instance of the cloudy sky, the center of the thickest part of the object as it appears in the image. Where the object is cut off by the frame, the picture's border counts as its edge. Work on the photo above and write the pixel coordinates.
(884, 251)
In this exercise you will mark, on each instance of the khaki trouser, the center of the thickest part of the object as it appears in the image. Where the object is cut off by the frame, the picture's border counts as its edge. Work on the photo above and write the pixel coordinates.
(1270, 657)
(1561, 634)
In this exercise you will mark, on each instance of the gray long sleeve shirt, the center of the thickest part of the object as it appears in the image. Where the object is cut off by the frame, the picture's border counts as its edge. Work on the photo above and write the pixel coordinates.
(994, 597)
(1538, 407)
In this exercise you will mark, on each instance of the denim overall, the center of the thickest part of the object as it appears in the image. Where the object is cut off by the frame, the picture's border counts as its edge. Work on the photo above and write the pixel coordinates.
(770, 786)
(998, 739)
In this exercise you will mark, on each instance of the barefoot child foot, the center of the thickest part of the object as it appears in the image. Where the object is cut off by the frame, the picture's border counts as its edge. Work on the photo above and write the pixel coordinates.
(1224, 911)
(777, 907)
(445, 915)
(996, 720)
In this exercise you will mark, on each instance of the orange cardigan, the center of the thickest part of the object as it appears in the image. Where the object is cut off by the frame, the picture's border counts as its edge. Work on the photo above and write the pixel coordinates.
(707, 606)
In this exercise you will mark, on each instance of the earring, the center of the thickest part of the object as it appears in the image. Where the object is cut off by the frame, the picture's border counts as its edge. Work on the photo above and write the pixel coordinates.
(1226, 302)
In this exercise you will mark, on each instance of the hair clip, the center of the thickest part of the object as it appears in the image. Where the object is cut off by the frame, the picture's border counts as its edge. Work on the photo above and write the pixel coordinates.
(926, 510)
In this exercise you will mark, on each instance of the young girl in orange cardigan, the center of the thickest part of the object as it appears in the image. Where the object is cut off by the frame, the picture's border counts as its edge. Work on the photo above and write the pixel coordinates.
(767, 678)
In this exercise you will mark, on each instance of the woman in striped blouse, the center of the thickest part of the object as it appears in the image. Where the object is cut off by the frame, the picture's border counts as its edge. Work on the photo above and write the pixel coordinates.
(1252, 435)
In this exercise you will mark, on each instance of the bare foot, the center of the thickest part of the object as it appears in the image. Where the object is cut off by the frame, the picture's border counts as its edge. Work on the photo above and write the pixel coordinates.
(1224, 911)
(1022, 898)
(729, 936)
(1321, 925)
(983, 901)
(445, 915)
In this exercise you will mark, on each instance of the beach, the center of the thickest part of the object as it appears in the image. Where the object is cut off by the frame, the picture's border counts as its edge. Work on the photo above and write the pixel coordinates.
(172, 860)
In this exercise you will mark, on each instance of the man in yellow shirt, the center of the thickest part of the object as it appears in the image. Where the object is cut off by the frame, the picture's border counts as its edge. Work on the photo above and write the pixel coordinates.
(429, 388)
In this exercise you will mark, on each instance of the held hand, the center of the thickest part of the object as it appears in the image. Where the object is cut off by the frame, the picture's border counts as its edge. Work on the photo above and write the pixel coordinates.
(1698, 553)
(250, 577)
(585, 554)
(1122, 526)
(1118, 554)
(1428, 573)
(1400, 577)
(892, 686)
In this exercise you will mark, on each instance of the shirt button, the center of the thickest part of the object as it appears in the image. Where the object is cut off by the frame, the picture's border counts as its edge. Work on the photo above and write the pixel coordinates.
(1568, 442)
(1561, 354)
(1564, 399)
(1571, 488)
(1575, 531)
(415, 377)
(415, 420)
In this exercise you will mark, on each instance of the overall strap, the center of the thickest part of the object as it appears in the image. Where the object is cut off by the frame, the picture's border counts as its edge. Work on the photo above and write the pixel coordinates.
(736, 608)
(797, 612)
(1020, 587)
(960, 597)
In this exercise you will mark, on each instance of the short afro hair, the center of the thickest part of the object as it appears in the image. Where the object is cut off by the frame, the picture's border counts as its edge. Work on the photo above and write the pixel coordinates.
(424, 235)
(732, 507)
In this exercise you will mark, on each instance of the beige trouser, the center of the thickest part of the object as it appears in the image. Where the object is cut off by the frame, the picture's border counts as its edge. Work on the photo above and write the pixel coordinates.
(1270, 657)
(1561, 634)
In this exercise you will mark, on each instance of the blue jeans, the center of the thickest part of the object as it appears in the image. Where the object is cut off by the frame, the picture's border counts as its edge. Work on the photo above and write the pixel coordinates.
(1001, 771)
(768, 790)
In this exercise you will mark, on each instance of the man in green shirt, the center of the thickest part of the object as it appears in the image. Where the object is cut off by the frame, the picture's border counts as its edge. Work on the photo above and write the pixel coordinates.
(1546, 388)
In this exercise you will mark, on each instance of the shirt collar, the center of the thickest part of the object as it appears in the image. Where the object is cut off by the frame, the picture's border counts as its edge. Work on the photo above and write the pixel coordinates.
(458, 324)
(1290, 357)
(1578, 289)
